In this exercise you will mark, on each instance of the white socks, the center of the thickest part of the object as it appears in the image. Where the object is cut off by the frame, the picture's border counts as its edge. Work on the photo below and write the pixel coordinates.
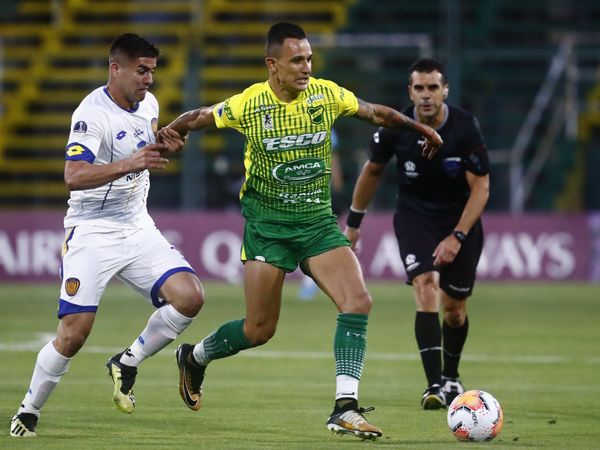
(200, 355)
(50, 366)
(346, 387)
(163, 328)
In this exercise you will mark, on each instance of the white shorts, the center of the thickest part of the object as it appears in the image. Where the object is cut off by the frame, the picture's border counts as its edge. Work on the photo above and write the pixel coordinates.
(92, 255)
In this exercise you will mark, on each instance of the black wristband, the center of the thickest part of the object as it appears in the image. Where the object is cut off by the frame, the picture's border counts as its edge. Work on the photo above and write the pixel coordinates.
(355, 218)
(462, 237)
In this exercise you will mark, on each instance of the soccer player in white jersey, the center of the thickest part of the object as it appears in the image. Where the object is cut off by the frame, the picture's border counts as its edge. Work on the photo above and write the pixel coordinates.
(108, 231)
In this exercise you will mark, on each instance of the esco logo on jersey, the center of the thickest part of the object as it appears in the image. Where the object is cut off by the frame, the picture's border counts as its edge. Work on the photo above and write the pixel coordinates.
(299, 171)
(294, 141)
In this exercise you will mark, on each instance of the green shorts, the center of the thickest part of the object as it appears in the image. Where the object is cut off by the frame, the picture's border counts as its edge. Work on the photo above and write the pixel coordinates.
(285, 245)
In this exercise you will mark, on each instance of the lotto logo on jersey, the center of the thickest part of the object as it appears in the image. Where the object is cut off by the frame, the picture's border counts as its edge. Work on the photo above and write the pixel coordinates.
(75, 150)
(79, 152)
(294, 141)
(300, 170)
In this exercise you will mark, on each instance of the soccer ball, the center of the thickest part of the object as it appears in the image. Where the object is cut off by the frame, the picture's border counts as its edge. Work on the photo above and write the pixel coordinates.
(475, 416)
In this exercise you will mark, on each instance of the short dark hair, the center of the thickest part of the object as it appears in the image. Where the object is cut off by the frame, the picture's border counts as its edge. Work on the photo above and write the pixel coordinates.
(426, 65)
(133, 46)
(279, 33)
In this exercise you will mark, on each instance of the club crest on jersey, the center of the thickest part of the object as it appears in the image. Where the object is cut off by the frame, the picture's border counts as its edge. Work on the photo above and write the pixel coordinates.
(267, 122)
(80, 127)
(72, 286)
(316, 114)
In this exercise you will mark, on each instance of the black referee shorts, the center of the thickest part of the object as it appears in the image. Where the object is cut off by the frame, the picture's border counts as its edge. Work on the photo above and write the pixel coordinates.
(418, 235)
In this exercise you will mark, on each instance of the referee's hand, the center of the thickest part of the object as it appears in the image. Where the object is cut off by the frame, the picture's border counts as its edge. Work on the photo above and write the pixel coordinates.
(446, 251)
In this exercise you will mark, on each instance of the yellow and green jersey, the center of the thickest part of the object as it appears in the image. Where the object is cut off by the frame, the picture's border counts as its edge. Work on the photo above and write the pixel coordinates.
(287, 155)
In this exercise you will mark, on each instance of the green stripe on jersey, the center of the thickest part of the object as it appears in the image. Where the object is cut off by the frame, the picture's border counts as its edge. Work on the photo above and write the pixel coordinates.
(287, 154)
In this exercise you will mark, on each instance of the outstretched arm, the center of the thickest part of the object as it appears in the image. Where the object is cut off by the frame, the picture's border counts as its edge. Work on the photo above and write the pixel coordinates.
(384, 116)
(195, 119)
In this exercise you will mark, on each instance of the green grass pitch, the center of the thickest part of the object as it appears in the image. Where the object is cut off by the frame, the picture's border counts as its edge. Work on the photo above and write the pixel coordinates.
(536, 347)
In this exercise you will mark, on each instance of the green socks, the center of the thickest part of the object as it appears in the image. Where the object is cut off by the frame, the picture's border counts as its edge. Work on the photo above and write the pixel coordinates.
(350, 344)
(226, 341)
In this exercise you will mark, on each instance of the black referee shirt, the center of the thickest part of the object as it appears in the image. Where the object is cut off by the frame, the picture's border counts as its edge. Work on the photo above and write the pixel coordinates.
(438, 186)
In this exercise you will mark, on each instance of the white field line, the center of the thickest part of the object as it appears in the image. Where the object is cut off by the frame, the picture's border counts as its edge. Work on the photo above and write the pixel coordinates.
(43, 338)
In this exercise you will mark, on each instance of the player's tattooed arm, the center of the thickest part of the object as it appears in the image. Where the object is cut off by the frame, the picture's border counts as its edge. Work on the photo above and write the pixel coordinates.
(195, 119)
(384, 116)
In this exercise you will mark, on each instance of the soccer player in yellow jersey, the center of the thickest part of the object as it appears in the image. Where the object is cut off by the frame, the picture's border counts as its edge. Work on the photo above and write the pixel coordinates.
(286, 202)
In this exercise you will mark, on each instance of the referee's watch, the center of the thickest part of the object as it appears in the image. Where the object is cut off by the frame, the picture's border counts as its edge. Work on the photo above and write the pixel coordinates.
(462, 237)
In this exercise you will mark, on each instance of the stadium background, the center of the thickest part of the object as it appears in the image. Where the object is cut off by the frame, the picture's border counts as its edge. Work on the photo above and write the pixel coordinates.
(528, 70)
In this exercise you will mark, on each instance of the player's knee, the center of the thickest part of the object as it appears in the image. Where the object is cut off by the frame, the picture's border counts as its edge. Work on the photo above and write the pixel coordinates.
(359, 303)
(454, 317)
(189, 299)
(194, 299)
(69, 342)
(259, 334)
(425, 285)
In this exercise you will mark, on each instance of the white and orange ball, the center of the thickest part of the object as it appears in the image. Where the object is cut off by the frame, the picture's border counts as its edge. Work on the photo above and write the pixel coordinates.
(475, 416)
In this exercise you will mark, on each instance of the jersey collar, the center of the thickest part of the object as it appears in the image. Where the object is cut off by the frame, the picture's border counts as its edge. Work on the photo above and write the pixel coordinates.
(446, 112)
(130, 110)
(278, 100)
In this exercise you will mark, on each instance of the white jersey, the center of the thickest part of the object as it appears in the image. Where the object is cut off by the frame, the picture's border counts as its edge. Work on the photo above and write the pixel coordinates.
(102, 132)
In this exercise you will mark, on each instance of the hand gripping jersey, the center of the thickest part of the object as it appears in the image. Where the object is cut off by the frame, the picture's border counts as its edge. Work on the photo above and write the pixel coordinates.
(287, 154)
(437, 186)
(102, 132)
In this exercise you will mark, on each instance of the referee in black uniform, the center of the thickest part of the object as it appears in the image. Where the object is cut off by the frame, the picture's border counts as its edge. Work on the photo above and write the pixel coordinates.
(437, 220)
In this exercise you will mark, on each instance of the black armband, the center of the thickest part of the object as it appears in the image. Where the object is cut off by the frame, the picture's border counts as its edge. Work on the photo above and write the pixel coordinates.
(355, 217)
